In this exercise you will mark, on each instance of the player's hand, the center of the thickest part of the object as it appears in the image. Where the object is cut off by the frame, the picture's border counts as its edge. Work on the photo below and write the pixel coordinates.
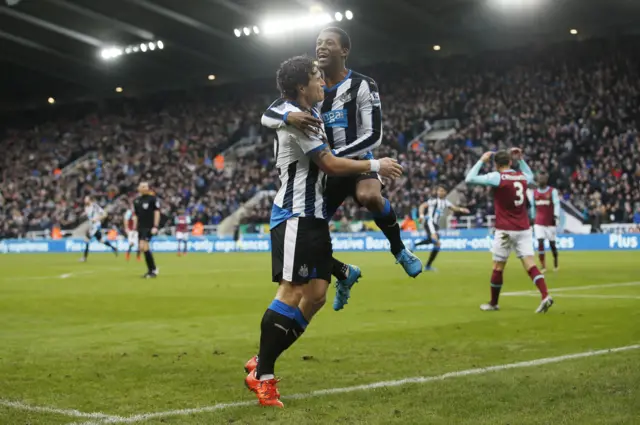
(305, 122)
(516, 154)
(154, 231)
(389, 167)
(465, 210)
(421, 219)
(486, 157)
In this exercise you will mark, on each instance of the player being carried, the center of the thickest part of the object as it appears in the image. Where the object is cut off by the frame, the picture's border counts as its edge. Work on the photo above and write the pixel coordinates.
(132, 234)
(513, 232)
(301, 251)
(96, 216)
(545, 210)
(352, 115)
(436, 208)
(182, 223)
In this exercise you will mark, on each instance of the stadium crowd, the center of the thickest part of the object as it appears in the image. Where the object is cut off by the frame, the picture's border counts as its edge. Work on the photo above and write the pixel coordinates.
(574, 108)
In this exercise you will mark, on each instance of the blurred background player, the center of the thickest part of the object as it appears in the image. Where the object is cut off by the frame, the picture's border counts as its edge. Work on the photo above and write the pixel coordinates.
(182, 223)
(545, 210)
(436, 208)
(147, 219)
(352, 114)
(132, 234)
(513, 232)
(301, 250)
(96, 216)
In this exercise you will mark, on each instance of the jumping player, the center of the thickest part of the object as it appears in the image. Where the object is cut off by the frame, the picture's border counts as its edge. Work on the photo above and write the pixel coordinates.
(132, 234)
(513, 232)
(301, 252)
(96, 216)
(545, 210)
(352, 114)
(436, 208)
(182, 223)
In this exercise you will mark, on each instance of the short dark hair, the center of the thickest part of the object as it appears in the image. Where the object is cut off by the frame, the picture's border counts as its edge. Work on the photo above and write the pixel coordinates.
(345, 40)
(441, 186)
(292, 73)
(502, 158)
(543, 173)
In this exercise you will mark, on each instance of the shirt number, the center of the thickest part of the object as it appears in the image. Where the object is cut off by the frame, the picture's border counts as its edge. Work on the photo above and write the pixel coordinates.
(519, 193)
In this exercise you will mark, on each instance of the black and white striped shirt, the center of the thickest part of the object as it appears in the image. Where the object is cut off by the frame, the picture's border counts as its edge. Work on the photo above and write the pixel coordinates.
(352, 116)
(302, 181)
(437, 208)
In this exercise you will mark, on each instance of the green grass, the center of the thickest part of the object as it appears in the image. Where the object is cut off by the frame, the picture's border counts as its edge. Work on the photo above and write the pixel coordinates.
(102, 339)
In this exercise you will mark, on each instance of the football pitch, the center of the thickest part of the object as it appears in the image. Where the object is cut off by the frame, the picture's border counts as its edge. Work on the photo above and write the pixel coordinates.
(94, 343)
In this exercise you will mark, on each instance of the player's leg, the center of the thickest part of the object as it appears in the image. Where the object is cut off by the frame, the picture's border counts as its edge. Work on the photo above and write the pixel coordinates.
(106, 242)
(87, 242)
(524, 250)
(551, 236)
(430, 229)
(145, 237)
(337, 190)
(501, 250)
(369, 195)
(434, 252)
(540, 237)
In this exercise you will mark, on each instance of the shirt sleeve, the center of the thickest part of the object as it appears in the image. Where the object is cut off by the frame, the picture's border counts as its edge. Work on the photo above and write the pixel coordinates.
(370, 111)
(309, 144)
(524, 167)
(489, 179)
(156, 204)
(271, 118)
(448, 203)
(556, 202)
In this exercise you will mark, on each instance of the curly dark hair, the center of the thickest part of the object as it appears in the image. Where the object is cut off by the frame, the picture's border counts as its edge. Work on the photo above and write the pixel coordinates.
(292, 73)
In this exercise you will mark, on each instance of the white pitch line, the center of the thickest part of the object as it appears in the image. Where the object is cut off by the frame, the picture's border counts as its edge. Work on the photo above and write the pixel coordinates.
(597, 296)
(575, 288)
(365, 387)
(65, 412)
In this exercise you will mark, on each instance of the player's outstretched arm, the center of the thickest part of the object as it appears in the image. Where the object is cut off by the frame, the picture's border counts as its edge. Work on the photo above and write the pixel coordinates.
(334, 166)
(474, 177)
(526, 170)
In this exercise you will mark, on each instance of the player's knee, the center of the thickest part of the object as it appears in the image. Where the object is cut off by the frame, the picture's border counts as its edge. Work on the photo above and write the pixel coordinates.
(372, 200)
(498, 266)
(436, 243)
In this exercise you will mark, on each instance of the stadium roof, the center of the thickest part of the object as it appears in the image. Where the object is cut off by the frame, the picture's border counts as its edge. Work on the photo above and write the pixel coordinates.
(51, 47)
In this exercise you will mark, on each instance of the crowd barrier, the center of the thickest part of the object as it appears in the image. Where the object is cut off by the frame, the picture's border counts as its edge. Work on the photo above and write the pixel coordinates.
(452, 240)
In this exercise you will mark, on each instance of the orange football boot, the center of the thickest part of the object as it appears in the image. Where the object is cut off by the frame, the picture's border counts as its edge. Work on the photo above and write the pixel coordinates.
(251, 364)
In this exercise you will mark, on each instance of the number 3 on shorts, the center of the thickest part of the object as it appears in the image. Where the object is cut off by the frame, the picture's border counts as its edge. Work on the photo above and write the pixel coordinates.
(519, 193)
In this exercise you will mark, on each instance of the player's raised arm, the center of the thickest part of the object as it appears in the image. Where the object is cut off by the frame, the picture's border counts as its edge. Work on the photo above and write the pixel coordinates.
(370, 111)
(421, 209)
(489, 179)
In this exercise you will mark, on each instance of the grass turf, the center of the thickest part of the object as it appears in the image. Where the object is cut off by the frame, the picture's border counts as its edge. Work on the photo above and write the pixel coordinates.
(96, 337)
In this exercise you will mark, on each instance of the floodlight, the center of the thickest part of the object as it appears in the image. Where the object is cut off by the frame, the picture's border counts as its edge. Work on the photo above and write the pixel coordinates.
(436, 47)
(573, 31)
(160, 44)
(211, 77)
(246, 31)
(51, 100)
(128, 50)
(118, 89)
(143, 47)
(237, 32)
(348, 14)
(338, 16)
(256, 30)
(152, 46)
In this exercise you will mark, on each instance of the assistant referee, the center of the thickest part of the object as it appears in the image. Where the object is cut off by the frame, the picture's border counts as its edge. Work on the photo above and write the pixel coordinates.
(146, 220)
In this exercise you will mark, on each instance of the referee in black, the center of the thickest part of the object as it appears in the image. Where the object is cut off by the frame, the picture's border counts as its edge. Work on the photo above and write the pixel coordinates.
(146, 220)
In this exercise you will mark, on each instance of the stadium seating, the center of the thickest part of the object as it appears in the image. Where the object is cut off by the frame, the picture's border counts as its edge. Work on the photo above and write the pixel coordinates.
(573, 108)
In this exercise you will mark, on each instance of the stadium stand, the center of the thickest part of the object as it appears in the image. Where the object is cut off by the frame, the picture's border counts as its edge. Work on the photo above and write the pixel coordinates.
(562, 103)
